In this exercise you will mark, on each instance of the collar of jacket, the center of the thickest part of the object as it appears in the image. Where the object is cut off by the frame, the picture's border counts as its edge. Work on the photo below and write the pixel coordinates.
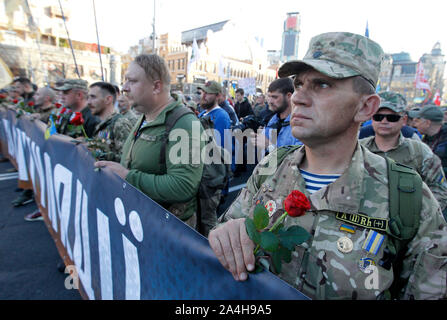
(161, 118)
(347, 193)
(372, 146)
(106, 121)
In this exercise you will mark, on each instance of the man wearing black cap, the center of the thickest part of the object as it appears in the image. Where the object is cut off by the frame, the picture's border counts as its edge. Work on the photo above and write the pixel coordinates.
(429, 122)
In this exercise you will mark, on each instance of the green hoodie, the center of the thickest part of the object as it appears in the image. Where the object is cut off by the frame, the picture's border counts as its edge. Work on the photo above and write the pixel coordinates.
(173, 186)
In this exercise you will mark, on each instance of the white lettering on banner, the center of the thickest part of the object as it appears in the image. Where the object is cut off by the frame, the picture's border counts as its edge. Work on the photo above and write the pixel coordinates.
(81, 247)
(52, 214)
(31, 163)
(105, 256)
(38, 164)
(23, 170)
(132, 270)
(132, 264)
(63, 176)
(7, 127)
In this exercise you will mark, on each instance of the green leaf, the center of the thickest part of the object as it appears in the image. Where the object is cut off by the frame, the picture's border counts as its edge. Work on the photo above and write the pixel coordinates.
(293, 236)
(277, 264)
(261, 217)
(280, 227)
(251, 231)
(286, 254)
(269, 241)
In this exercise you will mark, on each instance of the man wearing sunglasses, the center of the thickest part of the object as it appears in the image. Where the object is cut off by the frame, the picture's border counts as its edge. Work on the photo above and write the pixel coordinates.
(388, 141)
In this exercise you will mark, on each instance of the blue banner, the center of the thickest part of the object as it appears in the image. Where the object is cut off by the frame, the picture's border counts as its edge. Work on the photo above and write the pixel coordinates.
(116, 242)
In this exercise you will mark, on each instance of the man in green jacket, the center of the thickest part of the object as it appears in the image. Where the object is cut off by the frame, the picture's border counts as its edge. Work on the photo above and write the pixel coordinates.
(175, 184)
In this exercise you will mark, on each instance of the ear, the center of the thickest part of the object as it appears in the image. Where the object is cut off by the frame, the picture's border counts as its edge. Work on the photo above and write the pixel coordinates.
(109, 99)
(405, 118)
(158, 87)
(369, 104)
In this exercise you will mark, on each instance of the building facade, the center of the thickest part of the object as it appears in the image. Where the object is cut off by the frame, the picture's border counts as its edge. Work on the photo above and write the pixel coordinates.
(41, 50)
(399, 74)
(291, 37)
(226, 55)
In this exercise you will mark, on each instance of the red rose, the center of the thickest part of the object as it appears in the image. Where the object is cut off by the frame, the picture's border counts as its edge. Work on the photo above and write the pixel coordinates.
(57, 105)
(63, 110)
(76, 119)
(2, 96)
(296, 204)
(31, 104)
(15, 101)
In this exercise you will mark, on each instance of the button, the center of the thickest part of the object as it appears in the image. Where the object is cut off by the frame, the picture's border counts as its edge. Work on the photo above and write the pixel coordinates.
(345, 245)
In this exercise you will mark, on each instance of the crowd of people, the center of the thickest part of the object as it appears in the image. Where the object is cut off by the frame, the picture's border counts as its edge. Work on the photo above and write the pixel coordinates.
(350, 138)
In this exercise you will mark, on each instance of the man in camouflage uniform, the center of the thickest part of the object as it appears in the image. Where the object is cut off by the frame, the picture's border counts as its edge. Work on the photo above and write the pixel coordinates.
(111, 133)
(334, 93)
(389, 141)
(429, 122)
(126, 110)
(44, 103)
(74, 96)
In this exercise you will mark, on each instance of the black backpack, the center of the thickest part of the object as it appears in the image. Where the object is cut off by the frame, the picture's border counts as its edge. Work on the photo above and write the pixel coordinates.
(215, 176)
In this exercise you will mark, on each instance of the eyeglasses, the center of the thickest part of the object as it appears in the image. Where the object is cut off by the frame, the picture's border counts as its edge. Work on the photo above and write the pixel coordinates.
(389, 117)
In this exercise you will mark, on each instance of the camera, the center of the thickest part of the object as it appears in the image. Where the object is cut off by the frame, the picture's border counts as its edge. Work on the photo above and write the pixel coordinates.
(248, 122)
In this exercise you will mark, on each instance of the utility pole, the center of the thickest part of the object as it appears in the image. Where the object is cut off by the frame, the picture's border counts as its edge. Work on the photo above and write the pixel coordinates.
(154, 35)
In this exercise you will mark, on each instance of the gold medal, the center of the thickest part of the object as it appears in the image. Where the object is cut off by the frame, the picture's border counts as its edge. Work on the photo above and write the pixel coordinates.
(345, 245)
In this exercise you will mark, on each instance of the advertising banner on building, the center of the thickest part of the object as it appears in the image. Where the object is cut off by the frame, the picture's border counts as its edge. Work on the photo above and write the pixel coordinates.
(116, 242)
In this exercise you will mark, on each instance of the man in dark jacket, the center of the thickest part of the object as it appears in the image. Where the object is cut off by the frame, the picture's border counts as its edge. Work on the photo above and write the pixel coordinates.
(242, 106)
(428, 121)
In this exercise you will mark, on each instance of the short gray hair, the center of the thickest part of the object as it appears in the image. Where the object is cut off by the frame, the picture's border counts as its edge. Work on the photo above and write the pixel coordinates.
(48, 92)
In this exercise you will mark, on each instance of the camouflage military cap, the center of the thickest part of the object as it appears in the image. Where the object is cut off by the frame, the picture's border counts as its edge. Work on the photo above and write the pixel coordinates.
(212, 87)
(69, 84)
(430, 112)
(413, 112)
(339, 55)
(393, 101)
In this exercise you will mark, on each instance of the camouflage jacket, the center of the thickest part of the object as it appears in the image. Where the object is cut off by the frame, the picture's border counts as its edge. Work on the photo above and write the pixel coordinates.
(131, 116)
(417, 155)
(111, 134)
(44, 115)
(322, 271)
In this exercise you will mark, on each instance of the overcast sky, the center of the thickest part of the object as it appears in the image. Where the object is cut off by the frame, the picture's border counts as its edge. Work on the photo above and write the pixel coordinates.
(397, 25)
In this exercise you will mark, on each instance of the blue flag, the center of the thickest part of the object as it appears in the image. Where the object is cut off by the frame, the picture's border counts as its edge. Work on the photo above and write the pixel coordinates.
(367, 30)
(51, 129)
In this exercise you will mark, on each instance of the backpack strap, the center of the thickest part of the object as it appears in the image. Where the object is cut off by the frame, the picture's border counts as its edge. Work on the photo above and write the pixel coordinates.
(405, 204)
(171, 119)
(405, 195)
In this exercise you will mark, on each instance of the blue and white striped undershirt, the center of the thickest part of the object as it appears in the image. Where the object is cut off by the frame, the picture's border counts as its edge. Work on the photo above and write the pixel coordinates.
(315, 182)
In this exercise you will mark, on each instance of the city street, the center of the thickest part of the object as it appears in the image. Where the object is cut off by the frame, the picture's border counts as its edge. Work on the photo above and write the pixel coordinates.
(28, 254)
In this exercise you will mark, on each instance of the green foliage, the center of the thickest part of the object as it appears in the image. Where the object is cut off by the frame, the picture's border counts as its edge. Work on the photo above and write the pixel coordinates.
(276, 245)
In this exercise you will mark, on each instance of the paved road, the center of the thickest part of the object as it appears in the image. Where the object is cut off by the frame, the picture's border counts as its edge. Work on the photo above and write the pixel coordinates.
(28, 254)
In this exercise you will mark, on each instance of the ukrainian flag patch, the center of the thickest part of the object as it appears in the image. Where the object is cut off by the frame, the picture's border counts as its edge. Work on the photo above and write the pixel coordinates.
(347, 228)
(373, 242)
